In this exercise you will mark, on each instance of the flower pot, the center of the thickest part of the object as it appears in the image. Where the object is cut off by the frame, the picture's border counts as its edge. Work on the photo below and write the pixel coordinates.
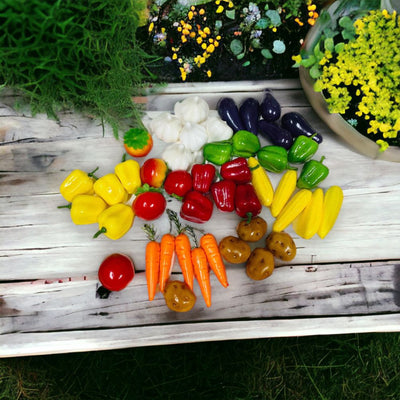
(336, 122)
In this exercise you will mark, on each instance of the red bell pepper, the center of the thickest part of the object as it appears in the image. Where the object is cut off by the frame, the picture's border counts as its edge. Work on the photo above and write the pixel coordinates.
(236, 170)
(247, 204)
(223, 193)
(196, 207)
(203, 176)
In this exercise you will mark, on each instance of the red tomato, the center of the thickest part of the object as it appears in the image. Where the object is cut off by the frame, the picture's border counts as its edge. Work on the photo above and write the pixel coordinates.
(138, 142)
(153, 172)
(178, 183)
(116, 271)
(149, 205)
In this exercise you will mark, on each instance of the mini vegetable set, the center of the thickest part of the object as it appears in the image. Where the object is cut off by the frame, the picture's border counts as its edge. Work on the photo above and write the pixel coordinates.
(211, 162)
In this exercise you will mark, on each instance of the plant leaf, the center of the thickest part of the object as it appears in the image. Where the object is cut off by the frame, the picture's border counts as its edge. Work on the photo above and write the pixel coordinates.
(236, 46)
(261, 24)
(279, 47)
(266, 54)
(274, 16)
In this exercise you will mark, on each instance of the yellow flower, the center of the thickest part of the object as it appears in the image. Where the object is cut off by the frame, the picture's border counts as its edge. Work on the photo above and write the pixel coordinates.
(220, 9)
(183, 73)
(210, 48)
(199, 39)
(209, 73)
(174, 56)
(151, 26)
(207, 30)
(190, 15)
(382, 144)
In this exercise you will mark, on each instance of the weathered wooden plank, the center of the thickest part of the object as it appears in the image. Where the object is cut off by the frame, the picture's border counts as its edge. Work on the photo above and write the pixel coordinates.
(25, 344)
(302, 291)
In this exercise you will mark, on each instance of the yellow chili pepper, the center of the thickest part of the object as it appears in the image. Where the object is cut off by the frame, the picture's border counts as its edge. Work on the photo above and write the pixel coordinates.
(77, 182)
(309, 220)
(85, 209)
(128, 172)
(110, 189)
(115, 221)
(292, 209)
(332, 204)
(260, 180)
(283, 191)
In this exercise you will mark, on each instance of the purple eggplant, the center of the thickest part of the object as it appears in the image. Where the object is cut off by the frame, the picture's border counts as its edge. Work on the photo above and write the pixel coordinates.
(296, 124)
(270, 109)
(249, 113)
(275, 134)
(229, 113)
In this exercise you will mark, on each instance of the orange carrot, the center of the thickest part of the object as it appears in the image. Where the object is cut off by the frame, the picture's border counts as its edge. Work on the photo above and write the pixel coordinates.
(152, 267)
(183, 250)
(152, 261)
(201, 272)
(167, 255)
(210, 246)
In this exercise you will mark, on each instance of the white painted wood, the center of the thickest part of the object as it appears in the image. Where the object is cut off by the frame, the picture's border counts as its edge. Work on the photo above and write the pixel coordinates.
(356, 267)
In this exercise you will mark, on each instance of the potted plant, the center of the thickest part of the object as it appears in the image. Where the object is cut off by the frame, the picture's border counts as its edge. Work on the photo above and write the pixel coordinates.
(350, 72)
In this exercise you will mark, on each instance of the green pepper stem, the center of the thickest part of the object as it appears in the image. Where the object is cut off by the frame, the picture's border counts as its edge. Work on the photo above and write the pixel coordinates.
(66, 206)
(322, 159)
(92, 175)
(99, 232)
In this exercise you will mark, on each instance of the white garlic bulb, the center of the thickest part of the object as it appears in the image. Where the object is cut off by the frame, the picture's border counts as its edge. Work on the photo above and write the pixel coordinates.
(192, 109)
(166, 127)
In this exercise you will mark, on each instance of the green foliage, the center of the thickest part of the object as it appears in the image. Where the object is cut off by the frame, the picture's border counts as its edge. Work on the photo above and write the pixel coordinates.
(81, 55)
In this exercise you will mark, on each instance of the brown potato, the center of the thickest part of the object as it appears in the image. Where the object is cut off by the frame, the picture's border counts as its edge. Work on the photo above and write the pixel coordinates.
(253, 230)
(178, 296)
(260, 264)
(234, 250)
(281, 245)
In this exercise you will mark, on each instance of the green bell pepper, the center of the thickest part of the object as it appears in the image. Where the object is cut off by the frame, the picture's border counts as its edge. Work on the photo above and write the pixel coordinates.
(313, 173)
(302, 149)
(273, 158)
(245, 144)
(217, 153)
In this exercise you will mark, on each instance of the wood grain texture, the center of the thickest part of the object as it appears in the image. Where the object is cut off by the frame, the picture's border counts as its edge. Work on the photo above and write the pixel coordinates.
(48, 266)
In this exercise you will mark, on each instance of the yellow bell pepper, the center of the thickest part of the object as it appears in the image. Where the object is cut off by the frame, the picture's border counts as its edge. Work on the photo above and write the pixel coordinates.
(309, 220)
(261, 182)
(85, 209)
(115, 221)
(332, 204)
(292, 209)
(77, 182)
(283, 191)
(110, 189)
(128, 172)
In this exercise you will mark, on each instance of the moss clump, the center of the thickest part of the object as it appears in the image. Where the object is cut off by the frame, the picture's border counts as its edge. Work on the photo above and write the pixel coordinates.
(76, 54)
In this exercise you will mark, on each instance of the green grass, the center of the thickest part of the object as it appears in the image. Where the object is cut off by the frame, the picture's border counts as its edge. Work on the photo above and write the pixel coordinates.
(336, 367)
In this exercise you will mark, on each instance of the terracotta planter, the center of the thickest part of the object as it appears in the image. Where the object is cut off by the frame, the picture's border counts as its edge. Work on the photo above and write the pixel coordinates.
(337, 123)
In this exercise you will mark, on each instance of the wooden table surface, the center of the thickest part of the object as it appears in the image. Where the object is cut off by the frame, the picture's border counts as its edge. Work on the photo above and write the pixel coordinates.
(348, 282)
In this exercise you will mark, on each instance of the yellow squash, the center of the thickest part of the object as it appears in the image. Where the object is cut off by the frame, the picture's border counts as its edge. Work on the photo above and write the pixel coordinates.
(332, 204)
(292, 209)
(261, 182)
(309, 220)
(283, 191)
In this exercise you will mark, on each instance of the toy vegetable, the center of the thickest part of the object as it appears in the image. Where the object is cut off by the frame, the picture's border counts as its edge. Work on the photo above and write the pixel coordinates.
(86, 208)
(270, 109)
(247, 204)
(228, 111)
(203, 176)
(333, 201)
(236, 170)
(110, 189)
(283, 191)
(296, 124)
(217, 152)
(192, 109)
(193, 136)
(302, 150)
(166, 127)
(313, 173)
(273, 158)
(196, 207)
(115, 221)
(307, 223)
(128, 172)
(77, 182)
(275, 134)
(249, 112)
(138, 142)
(223, 193)
(177, 156)
(245, 144)
(217, 129)
(261, 182)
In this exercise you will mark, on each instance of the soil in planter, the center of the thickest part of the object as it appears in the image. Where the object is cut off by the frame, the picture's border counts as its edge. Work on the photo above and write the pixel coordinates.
(256, 58)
